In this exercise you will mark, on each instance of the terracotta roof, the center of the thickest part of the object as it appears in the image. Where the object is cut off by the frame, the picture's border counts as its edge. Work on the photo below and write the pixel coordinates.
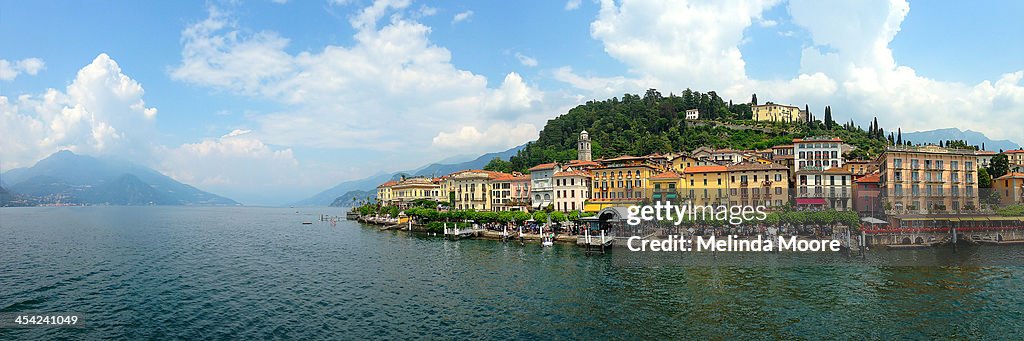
(584, 163)
(789, 146)
(790, 156)
(985, 152)
(1014, 151)
(666, 175)
(837, 170)
(870, 178)
(572, 173)
(503, 177)
(1011, 176)
(543, 166)
(756, 167)
(704, 169)
(388, 184)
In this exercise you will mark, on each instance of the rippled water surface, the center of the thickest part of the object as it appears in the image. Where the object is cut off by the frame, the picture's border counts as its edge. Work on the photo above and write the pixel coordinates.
(257, 273)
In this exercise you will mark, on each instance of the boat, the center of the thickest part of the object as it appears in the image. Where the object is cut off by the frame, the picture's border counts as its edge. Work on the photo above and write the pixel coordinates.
(307, 223)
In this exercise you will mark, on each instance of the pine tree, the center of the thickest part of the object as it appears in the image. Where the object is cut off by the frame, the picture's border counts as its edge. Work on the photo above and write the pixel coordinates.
(899, 136)
(753, 100)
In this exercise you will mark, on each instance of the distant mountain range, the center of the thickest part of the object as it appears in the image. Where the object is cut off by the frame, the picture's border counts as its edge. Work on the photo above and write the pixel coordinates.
(972, 138)
(370, 184)
(66, 177)
(352, 197)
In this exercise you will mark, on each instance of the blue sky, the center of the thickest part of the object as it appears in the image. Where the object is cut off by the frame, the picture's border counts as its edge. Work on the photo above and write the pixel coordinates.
(269, 102)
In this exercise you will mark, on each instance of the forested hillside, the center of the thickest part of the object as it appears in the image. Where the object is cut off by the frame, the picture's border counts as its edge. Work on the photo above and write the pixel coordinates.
(640, 125)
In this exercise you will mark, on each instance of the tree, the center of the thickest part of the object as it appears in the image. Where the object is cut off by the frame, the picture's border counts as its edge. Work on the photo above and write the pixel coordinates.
(999, 166)
(984, 178)
(753, 99)
(828, 118)
(499, 165)
(899, 136)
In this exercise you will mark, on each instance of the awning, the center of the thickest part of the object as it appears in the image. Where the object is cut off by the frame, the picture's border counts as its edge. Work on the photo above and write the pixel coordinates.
(810, 201)
(541, 204)
(872, 220)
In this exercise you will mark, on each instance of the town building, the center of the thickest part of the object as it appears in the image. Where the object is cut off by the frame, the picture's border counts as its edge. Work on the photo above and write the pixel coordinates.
(542, 184)
(571, 190)
(778, 113)
(692, 114)
(409, 190)
(706, 185)
(384, 194)
(819, 153)
(622, 181)
(867, 196)
(1015, 159)
(510, 192)
(783, 155)
(1010, 188)
(928, 179)
(758, 184)
(819, 189)
(680, 161)
(860, 167)
(985, 157)
(473, 189)
(667, 187)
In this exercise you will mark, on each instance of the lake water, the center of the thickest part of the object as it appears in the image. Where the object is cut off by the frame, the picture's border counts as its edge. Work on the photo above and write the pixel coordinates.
(257, 273)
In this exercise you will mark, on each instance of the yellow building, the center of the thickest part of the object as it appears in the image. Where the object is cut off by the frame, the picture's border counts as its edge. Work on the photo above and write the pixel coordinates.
(412, 189)
(622, 181)
(706, 185)
(681, 161)
(1010, 188)
(758, 185)
(668, 187)
(778, 113)
(384, 194)
(472, 189)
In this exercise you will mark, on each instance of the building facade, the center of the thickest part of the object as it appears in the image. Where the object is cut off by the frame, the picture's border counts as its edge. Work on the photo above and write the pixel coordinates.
(542, 185)
(778, 113)
(472, 189)
(824, 189)
(411, 189)
(1010, 188)
(571, 190)
(583, 147)
(758, 184)
(384, 194)
(692, 114)
(819, 153)
(1015, 159)
(928, 179)
(706, 185)
(867, 196)
(667, 187)
(510, 192)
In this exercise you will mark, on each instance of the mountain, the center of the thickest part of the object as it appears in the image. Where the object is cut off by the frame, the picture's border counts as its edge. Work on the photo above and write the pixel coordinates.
(972, 138)
(358, 195)
(72, 178)
(370, 183)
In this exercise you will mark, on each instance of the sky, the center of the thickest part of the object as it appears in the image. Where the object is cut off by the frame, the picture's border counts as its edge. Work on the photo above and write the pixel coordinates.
(269, 102)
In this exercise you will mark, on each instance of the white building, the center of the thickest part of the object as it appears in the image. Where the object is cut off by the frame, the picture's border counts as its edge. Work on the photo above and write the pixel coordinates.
(818, 153)
(692, 114)
(542, 184)
(571, 190)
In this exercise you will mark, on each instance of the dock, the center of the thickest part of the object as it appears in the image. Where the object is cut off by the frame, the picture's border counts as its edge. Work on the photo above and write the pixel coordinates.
(594, 244)
(457, 233)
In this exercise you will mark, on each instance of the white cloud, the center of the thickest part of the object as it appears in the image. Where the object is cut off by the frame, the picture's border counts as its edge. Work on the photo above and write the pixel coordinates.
(100, 112)
(237, 165)
(496, 137)
(9, 71)
(462, 16)
(672, 45)
(767, 23)
(392, 90)
(572, 5)
(526, 60)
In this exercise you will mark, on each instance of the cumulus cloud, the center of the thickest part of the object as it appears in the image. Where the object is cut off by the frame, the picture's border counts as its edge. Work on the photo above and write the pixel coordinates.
(392, 89)
(672, 45)
(100, 112)
(237, 165)
(10, 70)
(526, 60)
(462, 16)
(496, 136)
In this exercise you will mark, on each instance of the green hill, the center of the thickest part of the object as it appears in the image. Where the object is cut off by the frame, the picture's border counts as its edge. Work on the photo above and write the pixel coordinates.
(640, 125)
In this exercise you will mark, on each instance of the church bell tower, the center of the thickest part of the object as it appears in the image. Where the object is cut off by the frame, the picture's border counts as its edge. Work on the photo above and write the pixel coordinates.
(583, 149)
